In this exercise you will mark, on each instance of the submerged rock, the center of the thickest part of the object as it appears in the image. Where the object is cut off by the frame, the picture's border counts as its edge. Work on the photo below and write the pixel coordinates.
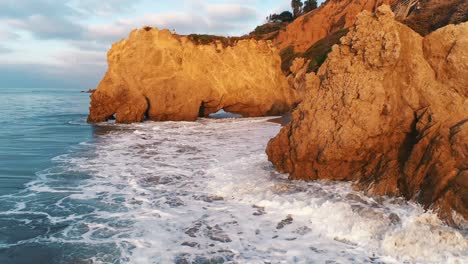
(287, 221)
(390, 112)
(216, 233)
(163, 76)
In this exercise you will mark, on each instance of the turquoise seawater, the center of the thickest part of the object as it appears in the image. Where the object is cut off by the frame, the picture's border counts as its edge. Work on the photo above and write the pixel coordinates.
(36, 125)
(184, 192)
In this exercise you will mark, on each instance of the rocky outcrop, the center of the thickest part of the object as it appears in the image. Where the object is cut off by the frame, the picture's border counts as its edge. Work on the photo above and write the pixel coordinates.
(163, 76)
(390, 113)
(433, 14)
(330, 17)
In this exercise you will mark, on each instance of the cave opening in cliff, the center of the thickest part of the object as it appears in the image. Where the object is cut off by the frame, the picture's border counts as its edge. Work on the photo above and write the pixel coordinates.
(224, 114)
(201, 110)
(148, 106)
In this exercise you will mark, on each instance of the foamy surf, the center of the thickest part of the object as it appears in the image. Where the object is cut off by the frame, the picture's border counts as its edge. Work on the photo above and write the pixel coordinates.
(204, 192)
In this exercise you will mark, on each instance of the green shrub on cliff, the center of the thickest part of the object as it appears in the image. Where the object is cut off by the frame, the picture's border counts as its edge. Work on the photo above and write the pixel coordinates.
(316, 54)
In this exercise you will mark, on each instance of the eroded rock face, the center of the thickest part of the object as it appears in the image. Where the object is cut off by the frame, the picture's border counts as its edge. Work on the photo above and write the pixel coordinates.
(330, 17)
(164, 76)
(390, 113)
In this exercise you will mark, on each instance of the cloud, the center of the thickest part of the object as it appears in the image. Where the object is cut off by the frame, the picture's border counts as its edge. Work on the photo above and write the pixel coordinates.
(7, 35)
(64, 43)
(62, 8)
(102, 7)
(57, 20)
(221, 19)
(44, 27)
(231, 12)
(4, 50)
(90, 45)
(51, 19)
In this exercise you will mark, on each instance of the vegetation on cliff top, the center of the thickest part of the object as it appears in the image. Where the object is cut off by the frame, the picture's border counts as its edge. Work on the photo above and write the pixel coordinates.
(315, 55)
(204, 39)
(277, 22)
(435, 14)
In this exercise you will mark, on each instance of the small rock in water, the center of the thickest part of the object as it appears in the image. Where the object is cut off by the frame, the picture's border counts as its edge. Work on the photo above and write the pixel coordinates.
(285, 222)
(316, 250)
(302, 230)
(207, 260)
(152, 179)
(192, 231)
(208, 198)
(216, 233)
(260, 210)
(190, 244)
(182, 259)
(158, 180)
(345, 241)
(394, 219)
(355, 197)
(174, 202)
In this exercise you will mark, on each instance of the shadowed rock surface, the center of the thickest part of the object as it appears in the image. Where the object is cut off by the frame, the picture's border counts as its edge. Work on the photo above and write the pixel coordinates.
(388, 111)
(163, 76)
(433, 14)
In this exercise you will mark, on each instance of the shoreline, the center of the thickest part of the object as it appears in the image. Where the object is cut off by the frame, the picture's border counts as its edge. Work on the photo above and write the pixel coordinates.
(282, 120)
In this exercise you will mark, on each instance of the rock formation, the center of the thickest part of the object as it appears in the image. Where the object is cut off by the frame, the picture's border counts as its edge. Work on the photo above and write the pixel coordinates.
(164, 76)
(388, 110)
(433, 14)
(330, 17)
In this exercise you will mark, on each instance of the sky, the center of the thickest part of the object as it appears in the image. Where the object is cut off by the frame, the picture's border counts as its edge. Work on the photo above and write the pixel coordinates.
(63, 43)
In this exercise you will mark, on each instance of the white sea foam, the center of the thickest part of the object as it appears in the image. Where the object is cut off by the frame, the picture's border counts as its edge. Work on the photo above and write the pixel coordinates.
(205, 191)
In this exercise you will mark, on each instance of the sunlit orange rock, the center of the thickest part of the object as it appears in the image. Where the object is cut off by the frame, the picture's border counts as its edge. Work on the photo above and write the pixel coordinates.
(330, 17)
(163, 76)
(390, 113)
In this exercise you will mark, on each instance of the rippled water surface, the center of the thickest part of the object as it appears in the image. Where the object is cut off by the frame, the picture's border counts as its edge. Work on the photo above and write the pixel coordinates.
(201, 192)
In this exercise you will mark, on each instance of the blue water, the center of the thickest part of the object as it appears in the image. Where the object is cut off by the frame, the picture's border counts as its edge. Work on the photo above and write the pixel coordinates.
(183, 192)
(36, 125)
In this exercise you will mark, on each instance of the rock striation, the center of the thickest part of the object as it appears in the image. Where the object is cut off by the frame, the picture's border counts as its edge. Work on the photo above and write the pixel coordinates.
(388, 110)
(162, 76)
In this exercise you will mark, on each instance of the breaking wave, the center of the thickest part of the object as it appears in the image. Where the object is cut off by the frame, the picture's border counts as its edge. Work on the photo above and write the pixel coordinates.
(204, 192)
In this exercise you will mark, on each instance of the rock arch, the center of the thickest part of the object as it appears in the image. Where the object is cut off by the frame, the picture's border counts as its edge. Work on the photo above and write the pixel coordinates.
(169, 77)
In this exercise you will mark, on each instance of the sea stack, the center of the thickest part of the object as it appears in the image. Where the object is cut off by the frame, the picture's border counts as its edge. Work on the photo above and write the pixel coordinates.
(162, 76)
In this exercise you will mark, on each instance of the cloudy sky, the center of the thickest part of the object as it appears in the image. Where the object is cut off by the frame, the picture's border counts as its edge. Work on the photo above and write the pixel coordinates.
(63, 43)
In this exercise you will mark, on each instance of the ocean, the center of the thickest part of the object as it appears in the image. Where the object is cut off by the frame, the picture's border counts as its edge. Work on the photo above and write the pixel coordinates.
(184, 192)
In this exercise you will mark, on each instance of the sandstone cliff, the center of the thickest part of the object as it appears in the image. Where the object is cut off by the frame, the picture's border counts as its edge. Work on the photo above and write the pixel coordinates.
(389, 111)
(164, 76)
(312, 35)
(330, 17)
